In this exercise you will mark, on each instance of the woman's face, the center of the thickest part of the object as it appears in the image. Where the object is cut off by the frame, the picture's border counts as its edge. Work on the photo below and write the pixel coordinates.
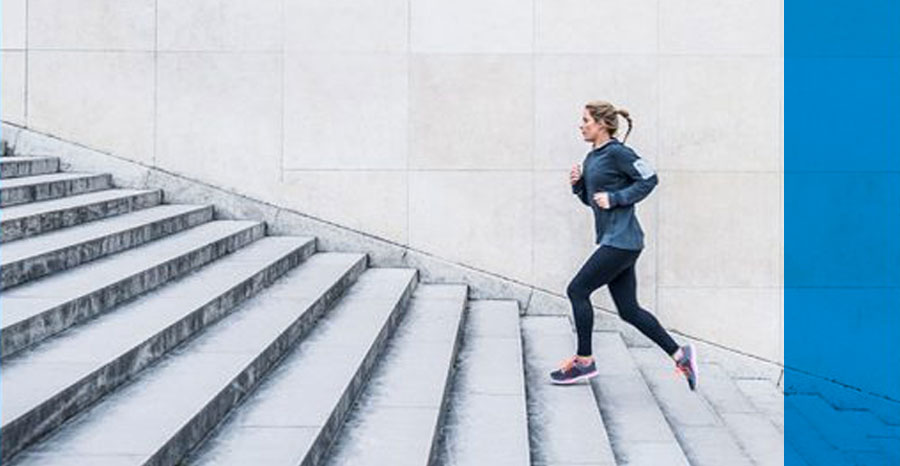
(590, 128)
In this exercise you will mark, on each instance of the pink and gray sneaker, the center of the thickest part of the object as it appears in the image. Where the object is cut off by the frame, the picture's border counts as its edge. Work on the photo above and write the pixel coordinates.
(687, 365)
(571, 371)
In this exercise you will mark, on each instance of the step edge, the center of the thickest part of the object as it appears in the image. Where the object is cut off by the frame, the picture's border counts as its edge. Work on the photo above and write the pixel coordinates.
(300, 254)
(302, 327)
(253, 233)
(190, 217)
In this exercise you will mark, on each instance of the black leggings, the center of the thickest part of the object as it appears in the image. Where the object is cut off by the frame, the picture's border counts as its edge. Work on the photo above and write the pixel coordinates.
(613, 267)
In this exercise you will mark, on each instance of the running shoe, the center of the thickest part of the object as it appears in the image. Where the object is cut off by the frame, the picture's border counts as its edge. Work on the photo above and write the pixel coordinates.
(687, 365)
(571, 371)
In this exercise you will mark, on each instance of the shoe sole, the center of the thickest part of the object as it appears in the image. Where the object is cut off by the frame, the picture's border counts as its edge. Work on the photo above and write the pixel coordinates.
(694, 369)
(576, 379)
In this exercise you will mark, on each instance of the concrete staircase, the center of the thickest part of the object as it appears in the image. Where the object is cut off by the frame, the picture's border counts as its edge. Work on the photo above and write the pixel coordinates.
(139, 332)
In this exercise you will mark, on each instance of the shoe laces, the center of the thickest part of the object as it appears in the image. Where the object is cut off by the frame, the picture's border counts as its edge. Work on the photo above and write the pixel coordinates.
(567, 364)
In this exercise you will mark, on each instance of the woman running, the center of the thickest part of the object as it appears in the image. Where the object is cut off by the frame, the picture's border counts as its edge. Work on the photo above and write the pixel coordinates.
(614, 180)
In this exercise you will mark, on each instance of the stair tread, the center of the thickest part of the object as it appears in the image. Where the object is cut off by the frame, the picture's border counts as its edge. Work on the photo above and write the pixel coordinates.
(48, 178)
(69, 237)
(809, 442)
(488, 419)
(844, 429)
(34, 298)
(637, 427)
(282, 419)
(25, 158)
(701, 433)
(842, 397)
(394, 421)
(751, 427)
(35, 375)
(561, 417)
(130, 421)
(20, 211)
(766, 397)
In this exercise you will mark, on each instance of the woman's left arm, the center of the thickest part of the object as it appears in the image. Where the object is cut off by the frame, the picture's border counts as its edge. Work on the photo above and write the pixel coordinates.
(642, 174)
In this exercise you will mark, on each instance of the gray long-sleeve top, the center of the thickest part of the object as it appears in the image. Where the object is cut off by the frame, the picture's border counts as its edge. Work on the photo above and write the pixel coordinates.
(616, 169)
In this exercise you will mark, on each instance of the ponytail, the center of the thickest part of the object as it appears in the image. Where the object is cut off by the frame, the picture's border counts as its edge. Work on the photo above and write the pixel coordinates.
(627, 117)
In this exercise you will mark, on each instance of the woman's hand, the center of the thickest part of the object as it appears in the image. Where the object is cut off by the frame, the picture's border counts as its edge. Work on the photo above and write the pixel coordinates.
(575, 174)
(602, 200)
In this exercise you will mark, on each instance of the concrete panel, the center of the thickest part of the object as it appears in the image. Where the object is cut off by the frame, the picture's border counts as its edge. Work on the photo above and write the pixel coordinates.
(345, 111)
(13, 89)
(12, 31)
(92, 24)
(347, 26)
(720, 113)
(780, 358)
(596, 26)
(219, 118)
(563, 231)
(446, 126)
(471, 26)
(478, 218)
(101, 99)
(369, 201)
(714, 27)
(460, 121)
(220, 25)
(779, 221)
(564, 83)
(745, 319)
(648, 216)
(719, 230)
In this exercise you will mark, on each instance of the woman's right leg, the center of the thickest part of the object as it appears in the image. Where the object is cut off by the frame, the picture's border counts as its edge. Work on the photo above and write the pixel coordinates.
(602, 267)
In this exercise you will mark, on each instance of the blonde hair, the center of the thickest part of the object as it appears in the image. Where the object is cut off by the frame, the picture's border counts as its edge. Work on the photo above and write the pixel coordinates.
(605, 113)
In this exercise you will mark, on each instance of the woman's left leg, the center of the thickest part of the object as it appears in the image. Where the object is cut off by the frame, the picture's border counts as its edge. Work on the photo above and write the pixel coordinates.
(623, 289)
(624, 293)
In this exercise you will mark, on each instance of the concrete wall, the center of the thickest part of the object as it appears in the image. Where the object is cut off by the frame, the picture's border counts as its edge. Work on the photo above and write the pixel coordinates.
(447, 126)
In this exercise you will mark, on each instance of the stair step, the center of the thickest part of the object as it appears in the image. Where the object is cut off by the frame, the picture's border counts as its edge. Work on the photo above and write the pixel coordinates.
(752, 429)
(397, 419)
(46, 385)
(766, 397)
(296, 413)
(42, 308)
(805, 438)
(637, 427)
(17, 167)
(869, 458)
(43, 187)
(701, 433)
(841, 397)
(560, 417)
(32, 258)
(35, 218)
(890, 446)
(844, 429)
(170, 407)
(487, 422)
(792, 457)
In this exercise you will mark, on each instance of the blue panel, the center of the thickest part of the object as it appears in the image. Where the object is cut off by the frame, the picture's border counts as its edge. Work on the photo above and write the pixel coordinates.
(842, 228)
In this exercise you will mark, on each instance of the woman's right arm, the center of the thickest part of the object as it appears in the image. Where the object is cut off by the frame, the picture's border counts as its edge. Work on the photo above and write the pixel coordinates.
(578, 187)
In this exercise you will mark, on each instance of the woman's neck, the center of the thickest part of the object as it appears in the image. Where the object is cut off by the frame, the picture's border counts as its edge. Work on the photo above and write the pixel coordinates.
(601, 142)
